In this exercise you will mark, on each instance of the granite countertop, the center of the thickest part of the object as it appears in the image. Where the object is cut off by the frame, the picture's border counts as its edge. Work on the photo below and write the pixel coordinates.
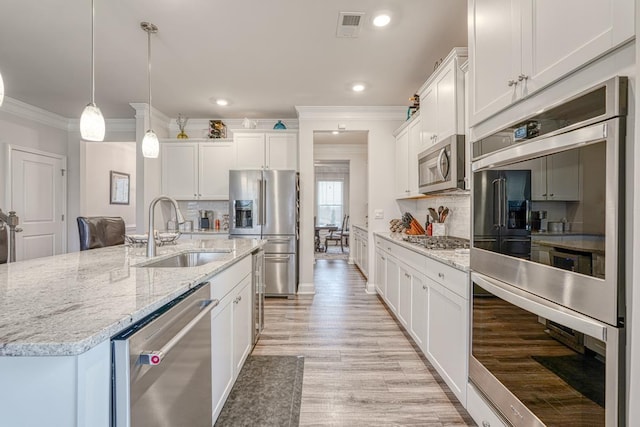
(205, 231)
(67, 304)
(458, 258)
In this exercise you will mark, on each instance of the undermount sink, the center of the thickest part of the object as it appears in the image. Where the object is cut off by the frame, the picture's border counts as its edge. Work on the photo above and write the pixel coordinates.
(189, 259)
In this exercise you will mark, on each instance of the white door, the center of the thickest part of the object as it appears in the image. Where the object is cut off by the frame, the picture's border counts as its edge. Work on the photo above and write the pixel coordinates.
(216, 159)
(282, 151)
(37, 196)
(402, 156)
(249, 150)
(180, 170)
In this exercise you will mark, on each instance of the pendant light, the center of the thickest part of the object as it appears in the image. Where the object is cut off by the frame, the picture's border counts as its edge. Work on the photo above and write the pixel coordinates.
(91, 121)
(150, 144)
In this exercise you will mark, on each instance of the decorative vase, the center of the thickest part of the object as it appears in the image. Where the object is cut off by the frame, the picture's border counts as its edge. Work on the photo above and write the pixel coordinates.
(182, 135)
(279, 125)
(182, 123)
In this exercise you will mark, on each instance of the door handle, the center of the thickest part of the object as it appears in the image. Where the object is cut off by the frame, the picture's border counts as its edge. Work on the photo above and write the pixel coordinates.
(154, 357)
(442, 154)
(277, 258)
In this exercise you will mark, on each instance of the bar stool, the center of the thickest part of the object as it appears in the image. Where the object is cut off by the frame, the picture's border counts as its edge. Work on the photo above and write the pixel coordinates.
(100, 231)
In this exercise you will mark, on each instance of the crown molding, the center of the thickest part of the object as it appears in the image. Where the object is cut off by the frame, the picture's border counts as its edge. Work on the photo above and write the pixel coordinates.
(351, 113)
(33, 113)
(112, 125)
(142, 108)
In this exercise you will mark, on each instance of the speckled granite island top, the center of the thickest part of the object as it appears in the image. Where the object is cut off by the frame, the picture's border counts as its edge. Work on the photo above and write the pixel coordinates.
(454, 257)
(67, 304)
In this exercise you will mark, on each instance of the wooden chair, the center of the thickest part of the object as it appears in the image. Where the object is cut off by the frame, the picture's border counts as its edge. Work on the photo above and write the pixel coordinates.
(339, 235)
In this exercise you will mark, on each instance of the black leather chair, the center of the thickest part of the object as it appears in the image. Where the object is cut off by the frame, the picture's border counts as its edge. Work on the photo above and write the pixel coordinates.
(100, 231)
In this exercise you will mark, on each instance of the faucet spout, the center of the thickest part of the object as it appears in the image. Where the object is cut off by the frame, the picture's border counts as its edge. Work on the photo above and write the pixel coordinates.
(151, 241)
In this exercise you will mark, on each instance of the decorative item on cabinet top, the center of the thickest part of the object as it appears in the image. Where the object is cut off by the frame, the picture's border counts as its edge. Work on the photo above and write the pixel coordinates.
(217, 129)
(279, 125)
(181, 121)
(414, 107)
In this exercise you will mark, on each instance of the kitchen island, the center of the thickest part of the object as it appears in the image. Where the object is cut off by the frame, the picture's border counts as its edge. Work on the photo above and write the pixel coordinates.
(57, 315)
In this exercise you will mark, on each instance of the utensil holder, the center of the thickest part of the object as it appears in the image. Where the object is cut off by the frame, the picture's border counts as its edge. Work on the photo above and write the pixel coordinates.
(439, 229)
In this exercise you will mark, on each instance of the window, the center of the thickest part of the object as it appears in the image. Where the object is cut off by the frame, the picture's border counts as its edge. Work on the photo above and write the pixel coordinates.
(330, 197)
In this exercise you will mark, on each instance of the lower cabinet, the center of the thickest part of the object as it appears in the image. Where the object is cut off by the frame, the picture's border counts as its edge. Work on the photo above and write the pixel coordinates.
(448, 323)
(359, 250)
(231, 339)
(430, 300)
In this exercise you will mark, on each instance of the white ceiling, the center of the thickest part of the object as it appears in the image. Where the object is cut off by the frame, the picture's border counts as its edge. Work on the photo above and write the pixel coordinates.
(264, 56)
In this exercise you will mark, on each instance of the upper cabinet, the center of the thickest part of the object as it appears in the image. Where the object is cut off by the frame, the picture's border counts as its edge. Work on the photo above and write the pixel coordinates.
(520, 46)
(408, 145)
(268, 150)
(197, 170)
(556, 177)
(442, 100)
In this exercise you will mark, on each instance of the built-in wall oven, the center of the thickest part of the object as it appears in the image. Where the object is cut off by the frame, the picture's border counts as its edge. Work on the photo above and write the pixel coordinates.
(547, 340)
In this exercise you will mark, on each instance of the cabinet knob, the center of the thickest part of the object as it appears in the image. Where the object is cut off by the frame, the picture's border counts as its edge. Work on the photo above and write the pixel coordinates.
(424, 287)
(522, 77)
(441, 275)
(544, 194)
(407, 276)
(551, 194)
(512, 83)
(486, 424)
(383, 258)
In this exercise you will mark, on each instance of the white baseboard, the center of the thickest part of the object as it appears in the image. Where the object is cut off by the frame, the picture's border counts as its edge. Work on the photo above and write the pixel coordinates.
(370, 288)
(306, 289)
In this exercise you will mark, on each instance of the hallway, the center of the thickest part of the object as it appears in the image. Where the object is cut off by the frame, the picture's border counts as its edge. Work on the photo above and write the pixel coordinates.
(359, 368)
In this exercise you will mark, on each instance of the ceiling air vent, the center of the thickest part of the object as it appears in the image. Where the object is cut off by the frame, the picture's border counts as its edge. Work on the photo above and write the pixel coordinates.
(349, 24)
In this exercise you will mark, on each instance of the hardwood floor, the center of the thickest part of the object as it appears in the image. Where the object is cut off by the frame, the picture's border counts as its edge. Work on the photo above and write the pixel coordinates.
(359, 368)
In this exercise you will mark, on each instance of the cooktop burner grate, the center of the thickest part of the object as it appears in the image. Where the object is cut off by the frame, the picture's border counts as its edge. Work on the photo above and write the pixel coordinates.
(431, 242)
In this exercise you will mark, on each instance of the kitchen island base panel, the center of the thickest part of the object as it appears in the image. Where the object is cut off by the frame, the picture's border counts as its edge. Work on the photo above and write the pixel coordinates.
(59, 391)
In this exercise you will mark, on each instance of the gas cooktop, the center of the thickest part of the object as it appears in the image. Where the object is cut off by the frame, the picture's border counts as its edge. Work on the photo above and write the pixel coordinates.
(431, 242)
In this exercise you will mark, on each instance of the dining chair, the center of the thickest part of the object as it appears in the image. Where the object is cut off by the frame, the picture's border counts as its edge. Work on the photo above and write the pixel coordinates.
(100, 231)
(338, 235)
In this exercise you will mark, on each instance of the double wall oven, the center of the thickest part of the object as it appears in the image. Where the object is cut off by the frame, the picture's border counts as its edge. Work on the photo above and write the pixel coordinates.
(548, 323)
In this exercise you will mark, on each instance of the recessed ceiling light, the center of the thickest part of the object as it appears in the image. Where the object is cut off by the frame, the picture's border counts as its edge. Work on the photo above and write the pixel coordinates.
(358, 87)
(222, 102)
(381, 20)
(335, 132)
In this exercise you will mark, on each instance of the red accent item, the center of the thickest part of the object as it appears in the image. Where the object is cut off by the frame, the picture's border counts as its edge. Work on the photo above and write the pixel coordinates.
(217, 224)
(430, 229)
(155, 360)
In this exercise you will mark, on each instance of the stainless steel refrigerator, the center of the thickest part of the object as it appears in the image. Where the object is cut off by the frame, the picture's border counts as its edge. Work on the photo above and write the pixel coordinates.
(502, 212)
(263, 204)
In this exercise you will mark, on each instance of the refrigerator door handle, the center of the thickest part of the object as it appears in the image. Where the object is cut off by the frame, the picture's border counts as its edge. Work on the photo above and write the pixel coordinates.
(497, 204)
(527, 205)
(263, 205)
(503, 197)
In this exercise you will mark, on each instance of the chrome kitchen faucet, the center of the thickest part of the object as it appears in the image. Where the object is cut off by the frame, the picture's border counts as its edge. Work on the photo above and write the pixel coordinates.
(151, 241)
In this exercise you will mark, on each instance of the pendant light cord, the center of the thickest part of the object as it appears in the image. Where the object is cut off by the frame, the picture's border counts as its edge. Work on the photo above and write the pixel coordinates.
(93, 59)
(149, 72)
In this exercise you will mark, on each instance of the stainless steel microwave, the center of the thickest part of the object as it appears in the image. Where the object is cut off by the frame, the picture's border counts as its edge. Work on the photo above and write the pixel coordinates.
(441, 166)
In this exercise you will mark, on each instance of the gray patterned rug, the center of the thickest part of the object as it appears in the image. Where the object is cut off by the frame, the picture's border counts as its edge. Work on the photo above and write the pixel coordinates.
(268, 392)
(333, 252)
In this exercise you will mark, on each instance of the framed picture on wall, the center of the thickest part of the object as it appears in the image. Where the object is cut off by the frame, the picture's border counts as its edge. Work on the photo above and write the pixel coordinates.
(119, 191)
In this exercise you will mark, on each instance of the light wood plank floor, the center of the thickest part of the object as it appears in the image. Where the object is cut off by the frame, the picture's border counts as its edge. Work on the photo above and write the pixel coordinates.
(360, 368)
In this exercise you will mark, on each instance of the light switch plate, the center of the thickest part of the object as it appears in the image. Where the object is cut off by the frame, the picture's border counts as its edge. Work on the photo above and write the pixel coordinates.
(379, 214)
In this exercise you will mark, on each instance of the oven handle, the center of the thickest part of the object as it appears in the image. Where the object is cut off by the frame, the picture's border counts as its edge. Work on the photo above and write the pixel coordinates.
(154, 357)
(542, 307)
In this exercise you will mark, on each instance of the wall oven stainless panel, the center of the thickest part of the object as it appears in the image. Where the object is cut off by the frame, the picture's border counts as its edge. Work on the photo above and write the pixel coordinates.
(534, 379)
(441, 166)
(600, 298)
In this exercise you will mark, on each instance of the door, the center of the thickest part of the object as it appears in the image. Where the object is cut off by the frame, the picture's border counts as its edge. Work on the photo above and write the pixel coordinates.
(446, 103)
(222, 362)
(429, 116)
(419, 307)
(392, 281)
(486, 212)
(381, 273)
(402, 146)
(282, 151)
(37, 195)
(516, 214)
(404, 296)
(280, 274)
(415, 148)
(250, 150)
(280, 195)
(242, 325)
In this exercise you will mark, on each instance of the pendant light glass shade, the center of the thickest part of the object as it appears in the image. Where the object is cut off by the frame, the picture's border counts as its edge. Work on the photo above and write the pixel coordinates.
(150, 145)
(92, 126)
(1, 90)
(91, 121)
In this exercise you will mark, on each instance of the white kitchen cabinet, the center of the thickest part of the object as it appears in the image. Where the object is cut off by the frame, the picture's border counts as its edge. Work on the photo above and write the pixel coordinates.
(402, 156)
(392, 277)
(404, 296)
(419, 307)
(242, 324)
(556, 177)
(359, 249)
(197, 170)
(447, 337)
(381, 272)
(517, 47)
(408, 145)
(222, 360)
(364, 257)
(267, 150)
(442, 100)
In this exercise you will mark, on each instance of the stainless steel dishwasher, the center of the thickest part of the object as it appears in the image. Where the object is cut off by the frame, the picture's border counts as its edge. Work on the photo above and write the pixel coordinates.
(162, 366)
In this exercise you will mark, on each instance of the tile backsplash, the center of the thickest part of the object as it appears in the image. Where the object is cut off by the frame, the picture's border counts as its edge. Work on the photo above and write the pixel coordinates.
(459, 220)
(190, 209)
